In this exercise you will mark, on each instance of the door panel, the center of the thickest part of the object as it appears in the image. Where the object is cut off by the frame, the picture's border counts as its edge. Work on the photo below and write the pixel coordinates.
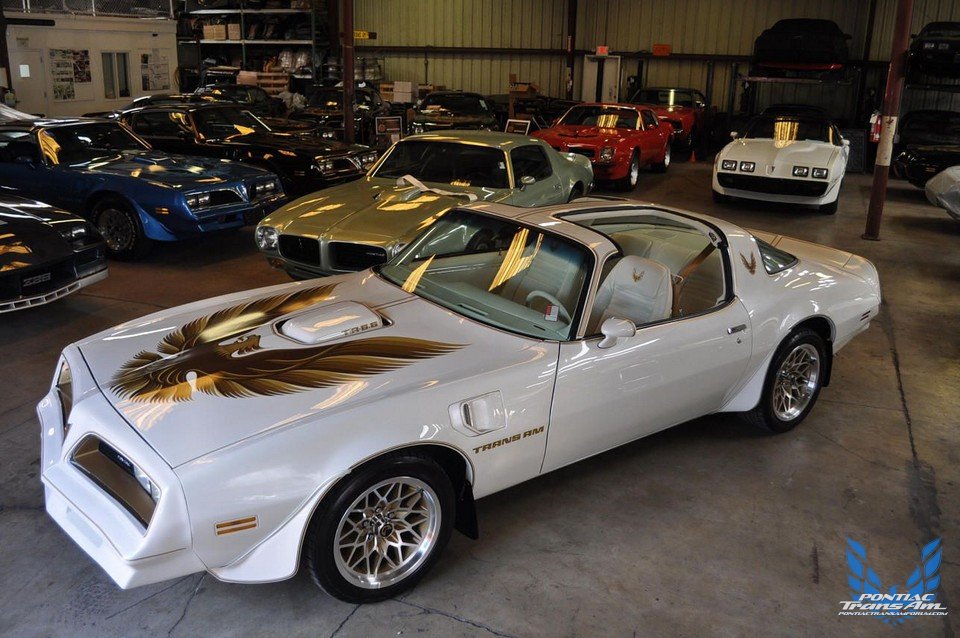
(667, 374)
(29, 80)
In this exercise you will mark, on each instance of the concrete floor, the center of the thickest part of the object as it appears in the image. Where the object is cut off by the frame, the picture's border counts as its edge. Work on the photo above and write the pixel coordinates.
(707, 529)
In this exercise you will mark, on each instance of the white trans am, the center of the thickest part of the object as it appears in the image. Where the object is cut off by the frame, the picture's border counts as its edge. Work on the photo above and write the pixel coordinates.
(784, 158)
(347, 424)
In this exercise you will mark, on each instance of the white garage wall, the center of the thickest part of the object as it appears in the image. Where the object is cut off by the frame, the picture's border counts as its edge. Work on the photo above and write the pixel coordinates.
(134, 36)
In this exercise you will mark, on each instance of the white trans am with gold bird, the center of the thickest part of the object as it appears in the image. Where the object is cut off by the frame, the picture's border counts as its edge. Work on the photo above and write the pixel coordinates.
(347, 424)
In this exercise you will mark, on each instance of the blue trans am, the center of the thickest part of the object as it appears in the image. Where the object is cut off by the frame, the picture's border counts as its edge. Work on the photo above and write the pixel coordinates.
(100, 170)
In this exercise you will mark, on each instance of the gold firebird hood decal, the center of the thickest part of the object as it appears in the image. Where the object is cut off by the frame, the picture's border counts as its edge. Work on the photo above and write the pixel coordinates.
(212, 355)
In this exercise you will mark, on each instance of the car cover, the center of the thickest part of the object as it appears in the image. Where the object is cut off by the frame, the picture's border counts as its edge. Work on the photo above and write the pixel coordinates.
(943, 190)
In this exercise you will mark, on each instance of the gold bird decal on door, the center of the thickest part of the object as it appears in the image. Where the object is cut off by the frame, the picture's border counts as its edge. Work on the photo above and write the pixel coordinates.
(749, 265)
(214, 355)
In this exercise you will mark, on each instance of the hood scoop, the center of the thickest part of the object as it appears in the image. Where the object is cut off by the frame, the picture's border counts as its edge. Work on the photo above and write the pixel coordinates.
(330, 322)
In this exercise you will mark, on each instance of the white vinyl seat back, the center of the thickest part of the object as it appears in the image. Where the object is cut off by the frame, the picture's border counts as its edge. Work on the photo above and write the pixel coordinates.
(637, 289)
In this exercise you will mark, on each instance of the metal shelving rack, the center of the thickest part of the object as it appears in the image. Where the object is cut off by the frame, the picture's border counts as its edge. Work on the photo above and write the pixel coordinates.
(242, 12)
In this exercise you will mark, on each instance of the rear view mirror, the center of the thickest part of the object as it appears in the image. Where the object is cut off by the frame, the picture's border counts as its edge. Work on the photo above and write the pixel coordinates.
(613, 329)
(25, 160)
(184, 135)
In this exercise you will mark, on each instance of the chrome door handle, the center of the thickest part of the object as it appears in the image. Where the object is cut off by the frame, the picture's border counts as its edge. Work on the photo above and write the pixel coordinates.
(736, 329)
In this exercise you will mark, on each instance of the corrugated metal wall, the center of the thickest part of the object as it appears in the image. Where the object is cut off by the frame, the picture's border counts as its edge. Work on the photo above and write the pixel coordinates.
(715, 27)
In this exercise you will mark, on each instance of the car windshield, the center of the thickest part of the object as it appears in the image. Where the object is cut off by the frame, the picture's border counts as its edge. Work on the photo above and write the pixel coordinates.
(791, 129)
(939, 128)
(219, 123)
(602, 116)
(666, 97)
(86, 142)
(497, 272)
(454, 163)
(456, 103)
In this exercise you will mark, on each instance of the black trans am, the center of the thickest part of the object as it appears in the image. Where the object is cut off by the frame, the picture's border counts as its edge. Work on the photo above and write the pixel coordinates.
(928, 142)
(442, 110)
(45, 253)
(935, 52)
(325, 108)
(303, 164)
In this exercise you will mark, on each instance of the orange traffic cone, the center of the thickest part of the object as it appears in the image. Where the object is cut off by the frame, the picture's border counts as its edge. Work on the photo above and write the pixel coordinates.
(693, 157)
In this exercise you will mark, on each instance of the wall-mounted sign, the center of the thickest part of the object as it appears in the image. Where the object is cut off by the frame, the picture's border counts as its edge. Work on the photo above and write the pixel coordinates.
(364, 35)
(68, 67)
(662, 49)
(389, 130)
(519, 127)
(603, 49)
(154, 72)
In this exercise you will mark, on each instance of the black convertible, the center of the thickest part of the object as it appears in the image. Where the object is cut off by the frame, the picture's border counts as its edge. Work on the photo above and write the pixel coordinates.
(304, 164)
(45, 253)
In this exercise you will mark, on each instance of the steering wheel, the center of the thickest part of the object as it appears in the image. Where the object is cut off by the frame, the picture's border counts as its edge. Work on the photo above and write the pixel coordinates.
(553, 300)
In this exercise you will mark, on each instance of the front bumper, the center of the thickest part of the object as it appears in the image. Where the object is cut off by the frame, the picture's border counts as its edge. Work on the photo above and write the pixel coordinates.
(27, 300)
(776, 189)
(130, 554)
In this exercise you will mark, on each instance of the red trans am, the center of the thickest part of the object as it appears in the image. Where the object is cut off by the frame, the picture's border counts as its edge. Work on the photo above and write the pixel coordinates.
(619, 139)
(685, 109)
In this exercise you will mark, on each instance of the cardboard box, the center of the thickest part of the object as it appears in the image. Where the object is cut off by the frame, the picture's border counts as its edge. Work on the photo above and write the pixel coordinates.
(233, 31)
(403, 87)
(214, 32)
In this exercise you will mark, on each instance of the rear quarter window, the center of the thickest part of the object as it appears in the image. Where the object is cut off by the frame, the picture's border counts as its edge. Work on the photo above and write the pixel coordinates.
(774, 259)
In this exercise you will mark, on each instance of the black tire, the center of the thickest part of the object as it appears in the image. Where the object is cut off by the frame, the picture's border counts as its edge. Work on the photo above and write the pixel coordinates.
(575, 192)
(831, 208)
(320, 553)
(121, 229)
(720, 198)
(661, 167)
(768, 416)
(629, 183)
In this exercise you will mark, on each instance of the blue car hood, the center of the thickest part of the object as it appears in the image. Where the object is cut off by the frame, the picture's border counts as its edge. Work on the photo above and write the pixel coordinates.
(170, 170)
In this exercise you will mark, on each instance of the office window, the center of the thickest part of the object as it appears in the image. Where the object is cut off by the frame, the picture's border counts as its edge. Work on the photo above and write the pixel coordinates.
(116, 76)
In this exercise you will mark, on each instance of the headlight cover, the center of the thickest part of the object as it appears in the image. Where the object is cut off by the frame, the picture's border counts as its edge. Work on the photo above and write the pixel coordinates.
(801, 171)
(325, 166)
(821, 173)
(73, 232)
(198, 200)
(728, 165)
(266, 237)
(368, 158)
(606, 154)
(64, 386)
(328, 135)
(748, 167)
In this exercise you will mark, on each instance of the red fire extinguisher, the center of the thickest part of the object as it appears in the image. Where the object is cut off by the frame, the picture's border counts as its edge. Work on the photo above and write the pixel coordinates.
(875, 120)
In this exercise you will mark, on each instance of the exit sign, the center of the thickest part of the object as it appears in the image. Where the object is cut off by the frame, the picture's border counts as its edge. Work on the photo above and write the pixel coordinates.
(603, 50)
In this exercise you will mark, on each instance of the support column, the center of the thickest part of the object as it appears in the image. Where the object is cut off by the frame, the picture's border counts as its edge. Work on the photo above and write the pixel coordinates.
(888, 118)
(571, 46)
(348, 81)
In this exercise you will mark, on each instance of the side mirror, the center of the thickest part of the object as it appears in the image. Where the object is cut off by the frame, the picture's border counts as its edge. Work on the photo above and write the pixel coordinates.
(184, 135)
(846, 143)
(525, 181)
(733, 135)
(613, 329)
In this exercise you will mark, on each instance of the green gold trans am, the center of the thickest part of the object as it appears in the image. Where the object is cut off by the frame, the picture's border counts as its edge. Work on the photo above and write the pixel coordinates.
(366, 222)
